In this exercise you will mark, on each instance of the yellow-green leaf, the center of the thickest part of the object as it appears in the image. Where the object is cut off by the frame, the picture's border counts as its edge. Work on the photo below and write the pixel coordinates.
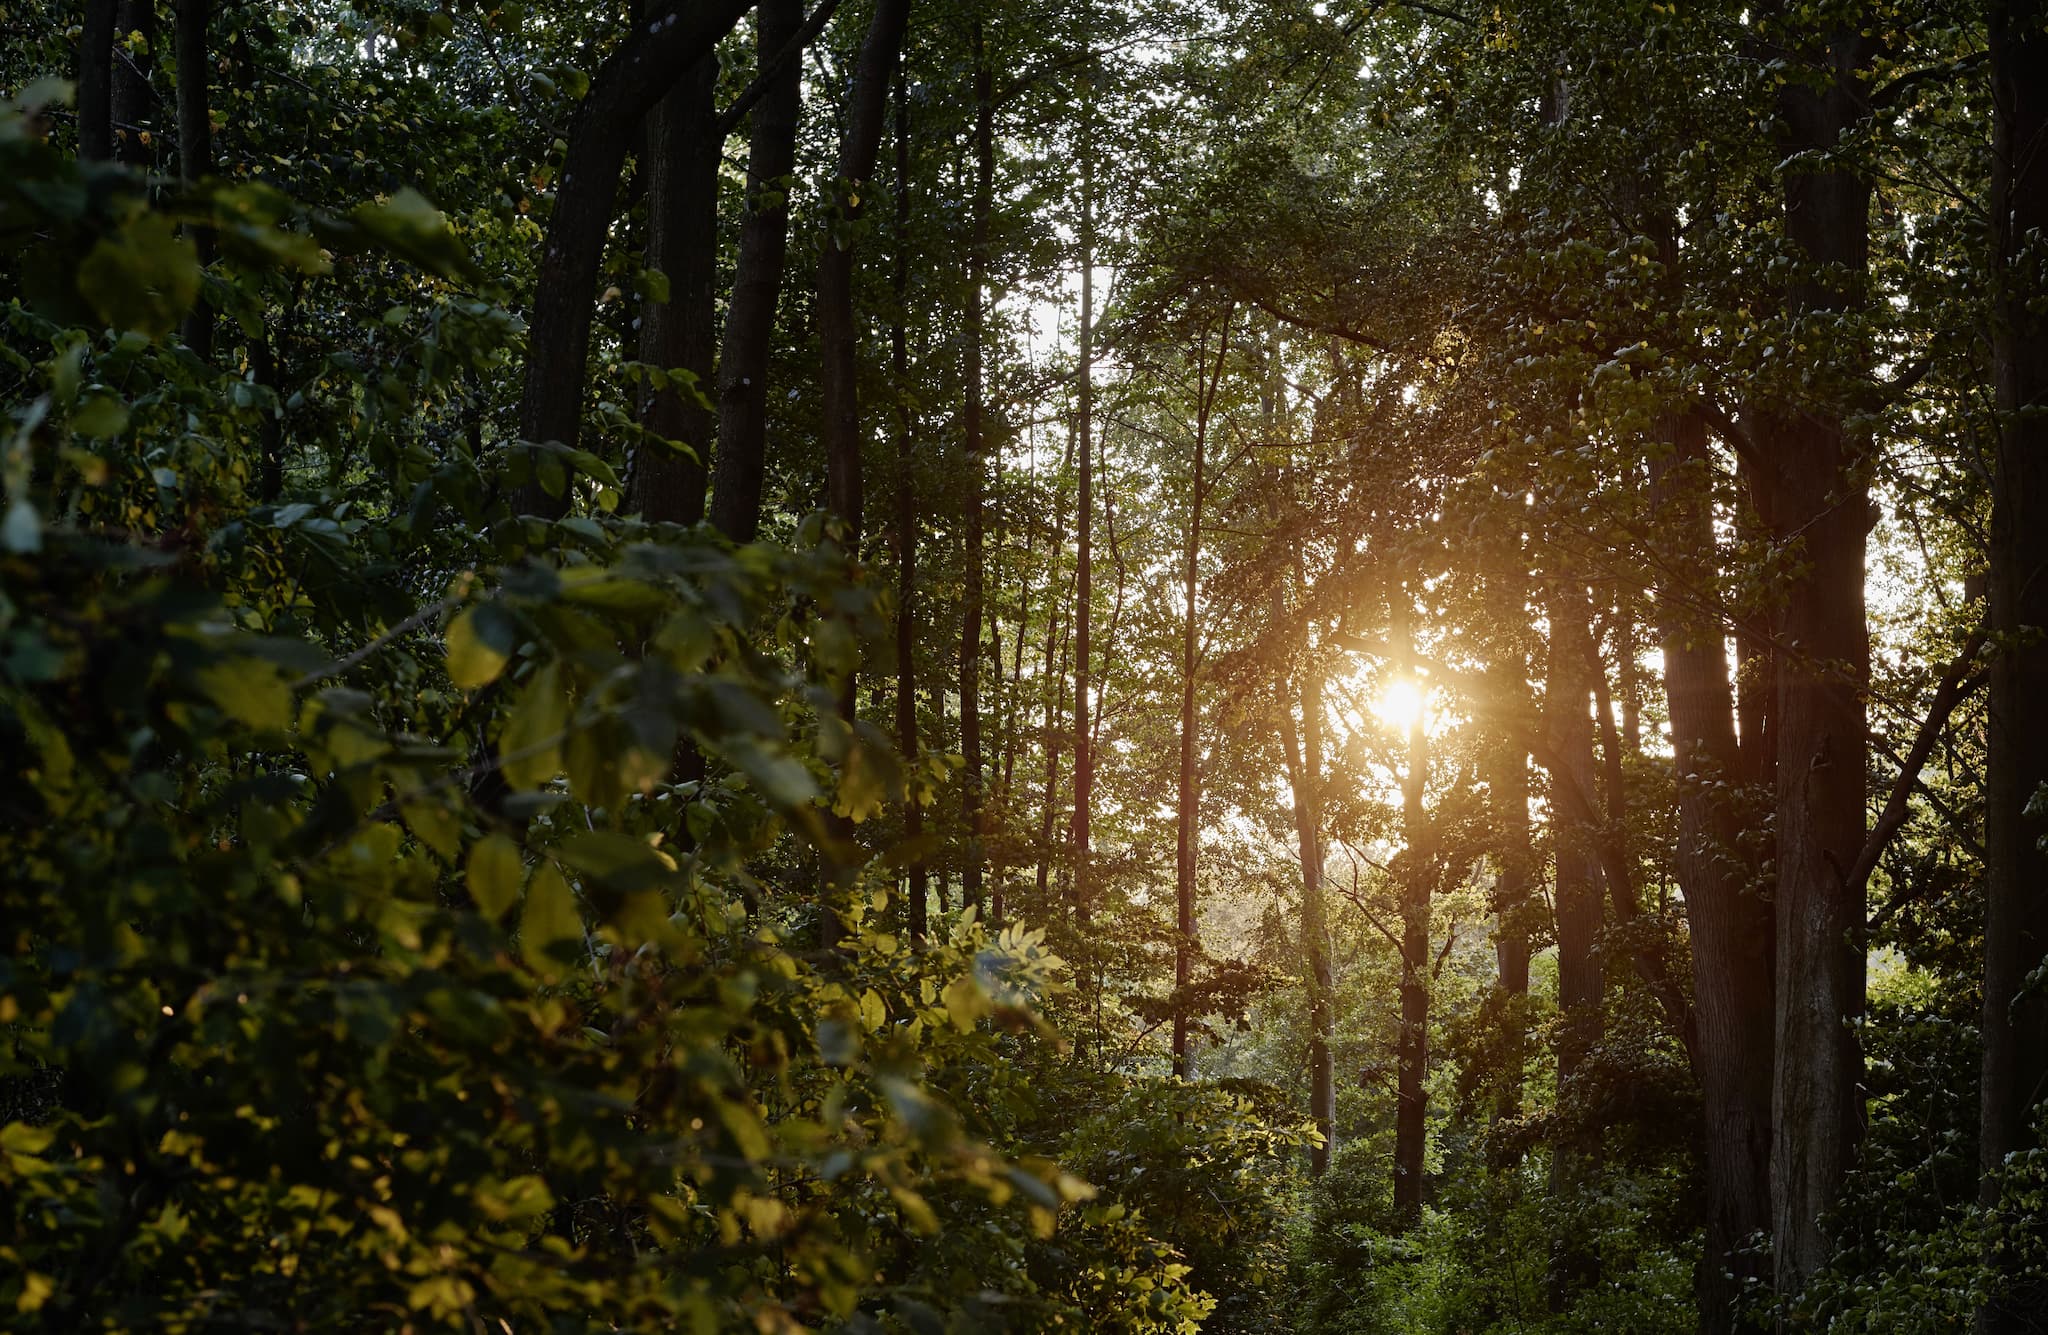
(493, 874)
(549, 926)
(480, 642)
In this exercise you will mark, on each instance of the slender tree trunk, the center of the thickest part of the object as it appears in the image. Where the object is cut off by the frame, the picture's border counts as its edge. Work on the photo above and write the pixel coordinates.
(623, 91)
(1302, 749)
(131, 95)
(838, 336)
(741, 458)
(917, 878)
(1188, 797)
(971, 649)
(1730, 917)
(1084, 576)
(2016, 888)
(1819, 501)
(681, 333)
(1507, 781)
(1416, 870)
(1569, 695)
(95, 92)
(195, 147)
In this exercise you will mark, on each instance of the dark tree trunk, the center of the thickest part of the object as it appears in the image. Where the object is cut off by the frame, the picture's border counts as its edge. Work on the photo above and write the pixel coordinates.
(916, 877)
(1507, 781)
(741, 458)
(2016, 926)
(1416, 870)
(1084, 570)
(623, 91)
(680, 334)
(195, 147)
(1569, 696)
(95, 91)
(1188, 793)
(1729, 916)
(972, 778)
(1818, 500)
(838, 337)
(131, 96)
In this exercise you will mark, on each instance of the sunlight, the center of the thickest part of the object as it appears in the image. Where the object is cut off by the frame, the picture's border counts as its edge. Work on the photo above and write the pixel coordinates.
(1402, 703)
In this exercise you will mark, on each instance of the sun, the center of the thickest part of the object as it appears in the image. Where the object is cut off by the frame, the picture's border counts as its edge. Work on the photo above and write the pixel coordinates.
(1402, 704)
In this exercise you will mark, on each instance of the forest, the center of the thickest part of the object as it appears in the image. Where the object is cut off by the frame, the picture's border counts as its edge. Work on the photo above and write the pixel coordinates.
(1329, 667)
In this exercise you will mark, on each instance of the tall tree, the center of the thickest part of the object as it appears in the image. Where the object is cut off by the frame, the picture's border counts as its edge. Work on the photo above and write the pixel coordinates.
(973, 780)
(1417, 877)
(1817, 501)
(2016, 889)
(1084, 529)
(679, 334)
(740, 461)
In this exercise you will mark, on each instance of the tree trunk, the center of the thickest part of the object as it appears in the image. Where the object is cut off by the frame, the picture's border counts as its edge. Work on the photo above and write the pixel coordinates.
(195, 148)
(1302, 750)
(96, 81)
(1730, 918)
(2016, 887)
(1507, 781)
(625, 88)
(680, 334)
(131, 95)
(1188, 794)
(916, 876)
(1416, 870)
(740, 461)
(1818, 500)
(972, 777)
(838, 336)
(1568, 699)
(1084, 571)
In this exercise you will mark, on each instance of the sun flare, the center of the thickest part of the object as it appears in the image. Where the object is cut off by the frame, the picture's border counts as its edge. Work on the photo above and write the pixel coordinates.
(1401, 705)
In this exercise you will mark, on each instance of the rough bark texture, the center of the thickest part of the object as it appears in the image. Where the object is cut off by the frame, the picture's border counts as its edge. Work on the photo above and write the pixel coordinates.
(1729, 916)
(625, 88)
(680, 334)
(972, 778)
(1817, 500)
(741, 457)
(1569, 695)
(95, 92)
(2016, 926)
(838, 338)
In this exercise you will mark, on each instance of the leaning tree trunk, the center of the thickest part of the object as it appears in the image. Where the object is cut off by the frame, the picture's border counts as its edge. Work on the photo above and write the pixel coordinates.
(623, 91)
(741, 458)
(1729, 915)
(679, 335)
(2016, 889)
(1819, 502)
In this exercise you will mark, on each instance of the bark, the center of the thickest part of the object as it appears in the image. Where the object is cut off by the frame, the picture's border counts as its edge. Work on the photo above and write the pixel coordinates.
(1568, 699)
(131, 95)
(2016, 925)
(680, 334)
(972, 777)
(1729, 917)
(1084, 574)
(195, 147)
(95, 91)
(1302, 750)
(916, 876)
(740, 461)
(1188, 792)
(1416, 870)
(1507, 782)
(624, 90)
(1817, 499)
(838, 337)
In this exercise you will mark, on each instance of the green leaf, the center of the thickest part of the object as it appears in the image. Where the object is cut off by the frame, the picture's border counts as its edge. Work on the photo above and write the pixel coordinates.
(143, 278)
(530, 747)
(249, 690)
(480, 642)
(550, 928)
(100, 417)
(493, 874)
